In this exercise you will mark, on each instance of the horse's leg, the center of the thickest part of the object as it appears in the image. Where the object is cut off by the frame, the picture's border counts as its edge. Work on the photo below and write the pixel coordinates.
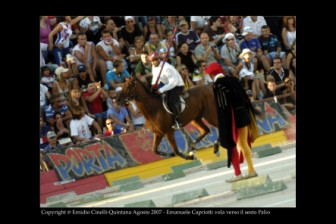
(171, 139)
(156, 143)
(216, 148)
(203, 128)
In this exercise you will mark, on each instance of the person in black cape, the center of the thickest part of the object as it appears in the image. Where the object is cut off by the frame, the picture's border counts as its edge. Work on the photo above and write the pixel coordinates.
(236, 122)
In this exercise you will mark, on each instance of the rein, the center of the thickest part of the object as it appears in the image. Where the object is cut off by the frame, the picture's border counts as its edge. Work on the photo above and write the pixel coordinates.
(131, 90)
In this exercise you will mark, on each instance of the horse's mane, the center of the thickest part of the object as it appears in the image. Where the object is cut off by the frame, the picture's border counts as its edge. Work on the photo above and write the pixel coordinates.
(136, 79)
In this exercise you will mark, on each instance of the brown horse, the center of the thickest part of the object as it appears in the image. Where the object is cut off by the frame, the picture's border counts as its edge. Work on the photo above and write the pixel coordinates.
(200, 104)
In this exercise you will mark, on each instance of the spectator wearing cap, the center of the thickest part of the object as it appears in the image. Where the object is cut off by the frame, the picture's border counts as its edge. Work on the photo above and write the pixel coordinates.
(255, 23)
(51, 147)
(152, 27)
(230, 52)
(207, 51)
(130, 31)
(82, 80)
(245, 71)
(215, 31)
(108, 50)
(255, 47)
(62, 85)
(85, 54)
(63, 32)
(187, 36)
(270, 46)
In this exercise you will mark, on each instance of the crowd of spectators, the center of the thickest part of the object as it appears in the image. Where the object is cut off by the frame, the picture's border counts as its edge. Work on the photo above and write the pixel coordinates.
(86, 60)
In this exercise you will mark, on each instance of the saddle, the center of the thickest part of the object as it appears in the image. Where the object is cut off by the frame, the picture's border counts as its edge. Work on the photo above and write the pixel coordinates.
(183, 96)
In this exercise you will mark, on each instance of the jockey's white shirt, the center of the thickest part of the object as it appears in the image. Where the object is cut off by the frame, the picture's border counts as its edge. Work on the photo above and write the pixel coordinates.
(169, 77)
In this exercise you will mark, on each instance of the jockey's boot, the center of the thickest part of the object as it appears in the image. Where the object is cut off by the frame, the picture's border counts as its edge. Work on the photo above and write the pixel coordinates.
(176, 111)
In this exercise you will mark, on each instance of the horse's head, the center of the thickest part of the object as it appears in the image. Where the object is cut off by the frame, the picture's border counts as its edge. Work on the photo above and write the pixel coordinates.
(127, 93)
(133, 89)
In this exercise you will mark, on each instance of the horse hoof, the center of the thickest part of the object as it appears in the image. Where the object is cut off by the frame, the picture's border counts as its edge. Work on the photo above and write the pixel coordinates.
(216, 149)
(172, 154)
(192, 153)
(192, 149)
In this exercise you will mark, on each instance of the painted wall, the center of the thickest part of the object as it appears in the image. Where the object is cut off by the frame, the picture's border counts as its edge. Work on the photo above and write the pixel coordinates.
(135, 148)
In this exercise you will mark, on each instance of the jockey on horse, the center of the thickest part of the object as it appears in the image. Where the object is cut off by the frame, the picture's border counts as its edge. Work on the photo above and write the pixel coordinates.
(170, 82)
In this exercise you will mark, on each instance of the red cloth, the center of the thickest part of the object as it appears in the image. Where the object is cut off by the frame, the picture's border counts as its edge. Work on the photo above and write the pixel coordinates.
(214, 69)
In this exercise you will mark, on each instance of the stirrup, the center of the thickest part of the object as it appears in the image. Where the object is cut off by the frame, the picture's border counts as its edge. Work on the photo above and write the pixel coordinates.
(177, 126)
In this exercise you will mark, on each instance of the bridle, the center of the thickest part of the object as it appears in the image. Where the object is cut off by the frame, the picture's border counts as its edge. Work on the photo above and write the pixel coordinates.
(130, 91)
